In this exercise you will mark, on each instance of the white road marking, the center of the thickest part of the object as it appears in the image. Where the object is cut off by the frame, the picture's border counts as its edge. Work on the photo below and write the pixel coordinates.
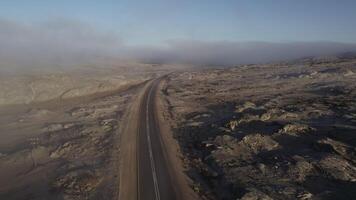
(154, 174)
(138, 163)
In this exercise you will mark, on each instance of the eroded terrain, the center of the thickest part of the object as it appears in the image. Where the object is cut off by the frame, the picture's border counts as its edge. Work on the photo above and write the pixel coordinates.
(284, 131)
(64, 146)
(73, 155)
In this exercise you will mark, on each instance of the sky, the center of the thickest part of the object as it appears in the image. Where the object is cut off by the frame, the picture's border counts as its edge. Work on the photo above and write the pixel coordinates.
(203, 31)
(156, 21)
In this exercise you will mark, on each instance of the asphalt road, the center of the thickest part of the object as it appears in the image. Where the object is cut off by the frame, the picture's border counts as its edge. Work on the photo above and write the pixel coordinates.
(153, 178)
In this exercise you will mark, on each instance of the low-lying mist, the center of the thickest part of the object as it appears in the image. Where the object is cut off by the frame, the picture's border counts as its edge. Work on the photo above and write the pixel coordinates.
(227, 53)
(64, 43)
(52, 44)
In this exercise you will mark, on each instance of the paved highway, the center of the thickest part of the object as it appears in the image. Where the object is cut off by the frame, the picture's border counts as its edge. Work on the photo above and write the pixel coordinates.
(153, 178)
(154, 181)
(145, 172)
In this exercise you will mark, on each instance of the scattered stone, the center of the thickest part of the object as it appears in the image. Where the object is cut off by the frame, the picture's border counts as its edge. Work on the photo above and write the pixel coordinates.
(108, 124)
(289, 115)
(271, 114)
(68, 125)
(261, 167)
(266, 117)
(295, 129)
(245, 106)
(338, 168)
(224, 140)
(338, 147)
(58, 127)
(258, 143)
(77, 182)
(232, 124)
(53, 127)
(255, 194)
(313, 73)
(61, 150)
(304, 195)
(349, 73)
(196, 124)
(301, 169)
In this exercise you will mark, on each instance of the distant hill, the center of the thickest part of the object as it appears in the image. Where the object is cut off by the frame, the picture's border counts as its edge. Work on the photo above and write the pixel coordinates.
(325, 59)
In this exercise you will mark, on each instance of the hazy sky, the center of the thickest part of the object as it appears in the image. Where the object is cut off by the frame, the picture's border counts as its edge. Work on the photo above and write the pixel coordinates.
(221, 32)
(156, 21)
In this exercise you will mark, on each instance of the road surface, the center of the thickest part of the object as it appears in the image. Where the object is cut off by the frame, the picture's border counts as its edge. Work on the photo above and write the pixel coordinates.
(154, 181)
(145, 173)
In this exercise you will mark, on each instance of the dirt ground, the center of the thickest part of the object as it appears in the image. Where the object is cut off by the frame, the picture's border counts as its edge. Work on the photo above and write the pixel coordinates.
(60, 132)
(276, 131)
(63, 149)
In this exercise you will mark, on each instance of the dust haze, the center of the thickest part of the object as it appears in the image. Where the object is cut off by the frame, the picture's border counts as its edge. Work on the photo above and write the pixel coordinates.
(51, 44)
(65, 43)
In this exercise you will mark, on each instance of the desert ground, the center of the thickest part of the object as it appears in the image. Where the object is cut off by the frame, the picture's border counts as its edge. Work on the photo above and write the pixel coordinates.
(263, 131)
(60, 132)
(274, 131)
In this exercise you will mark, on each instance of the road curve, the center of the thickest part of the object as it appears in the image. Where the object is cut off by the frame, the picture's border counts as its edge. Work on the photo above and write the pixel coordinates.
(145, 173)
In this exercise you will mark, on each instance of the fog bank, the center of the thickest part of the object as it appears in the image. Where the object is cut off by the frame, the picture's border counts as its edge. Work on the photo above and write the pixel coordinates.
(64, 43)
(231, 53)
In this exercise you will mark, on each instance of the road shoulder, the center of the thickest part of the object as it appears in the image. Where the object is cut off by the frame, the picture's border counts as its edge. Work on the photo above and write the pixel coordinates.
(128, 149)
(173, 152)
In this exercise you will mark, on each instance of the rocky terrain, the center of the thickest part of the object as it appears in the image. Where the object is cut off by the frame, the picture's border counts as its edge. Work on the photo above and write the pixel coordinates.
(62, 152)
(273, 131)
(60, 132)
(276, 131)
